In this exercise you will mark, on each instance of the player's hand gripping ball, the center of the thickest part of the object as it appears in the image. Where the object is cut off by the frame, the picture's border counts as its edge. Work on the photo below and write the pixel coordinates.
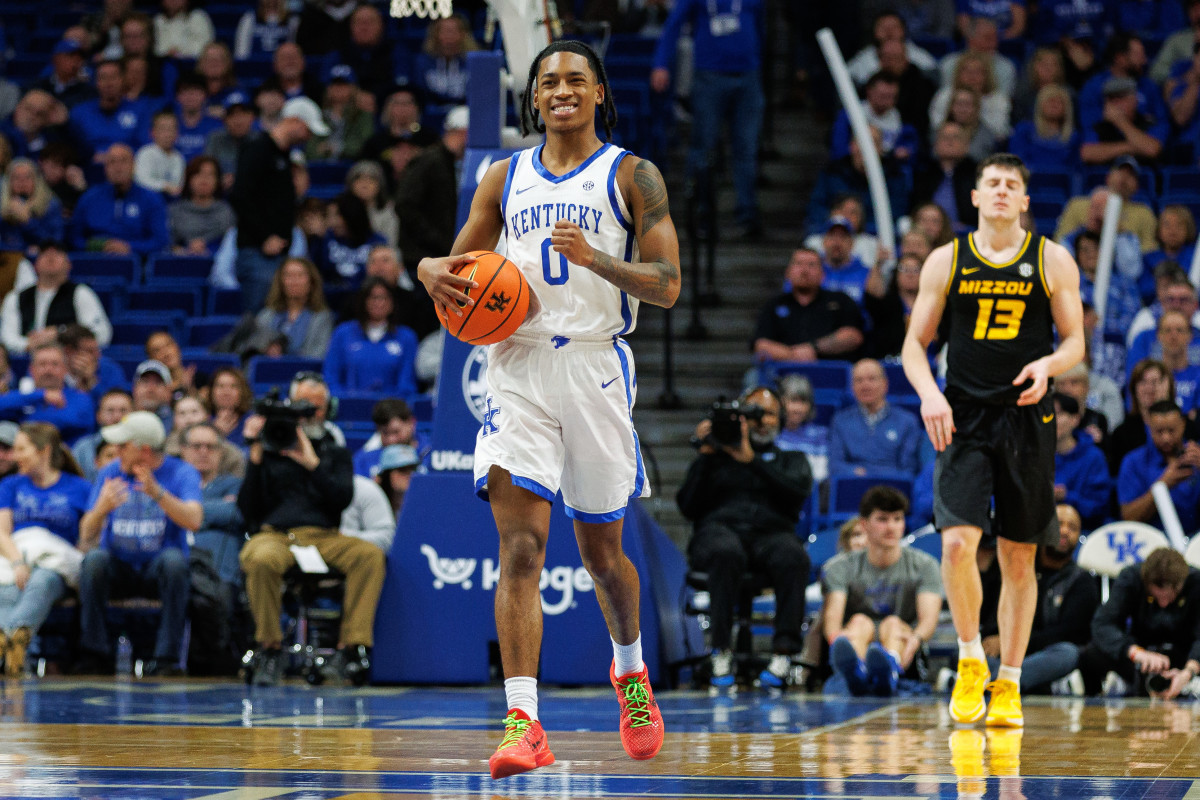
(501, 300)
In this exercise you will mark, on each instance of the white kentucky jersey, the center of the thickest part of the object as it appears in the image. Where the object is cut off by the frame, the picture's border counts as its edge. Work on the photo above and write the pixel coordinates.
(575, 301)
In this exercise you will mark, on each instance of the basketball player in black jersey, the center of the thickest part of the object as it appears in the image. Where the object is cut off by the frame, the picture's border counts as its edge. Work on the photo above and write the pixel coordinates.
(1003, 291)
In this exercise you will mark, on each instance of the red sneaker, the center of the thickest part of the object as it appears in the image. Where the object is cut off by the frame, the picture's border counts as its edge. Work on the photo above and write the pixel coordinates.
(641, 721)
(524, 747)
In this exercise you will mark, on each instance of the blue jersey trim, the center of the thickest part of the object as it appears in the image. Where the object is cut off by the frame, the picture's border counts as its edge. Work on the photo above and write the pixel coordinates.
(481, 489)
(584, 516)
(508, 179)
(630, 382)
(550, 176)
(612, 194)
(529, 484)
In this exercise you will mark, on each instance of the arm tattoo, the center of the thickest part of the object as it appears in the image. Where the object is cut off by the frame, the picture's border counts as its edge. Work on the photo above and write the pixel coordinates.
(650, 281)
(649, 182)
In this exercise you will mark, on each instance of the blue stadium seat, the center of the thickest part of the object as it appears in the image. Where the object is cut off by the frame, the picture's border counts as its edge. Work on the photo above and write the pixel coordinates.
(85, 266)
(325, 191)
(171, 267)
(1052, 184)
(224, 302)
(133, 330)
(204, 331)
(845, 492)
(263, 372)
(830, 379)
(1180, 182)
(207, 363)
(897, 381)
(328, 172)
(356, 406)
(422, 407)
(185, 299)
(355, 439)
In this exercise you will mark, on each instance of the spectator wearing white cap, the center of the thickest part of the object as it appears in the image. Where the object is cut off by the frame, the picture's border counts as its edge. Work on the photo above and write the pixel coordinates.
(50, 399)
(264, 198)
(427, 193)
(135, 540)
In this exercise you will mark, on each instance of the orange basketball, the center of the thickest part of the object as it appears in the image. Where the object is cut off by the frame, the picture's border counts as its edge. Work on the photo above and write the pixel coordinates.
(501, 300)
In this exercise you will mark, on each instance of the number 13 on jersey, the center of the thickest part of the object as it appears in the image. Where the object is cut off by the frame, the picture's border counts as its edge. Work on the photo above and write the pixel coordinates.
(1005, 323)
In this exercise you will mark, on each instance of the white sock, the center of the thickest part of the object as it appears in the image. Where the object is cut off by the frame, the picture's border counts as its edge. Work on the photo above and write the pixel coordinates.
(1009, 674)
(521, 693)
(972, 649)
(893, 654)
(628, 657)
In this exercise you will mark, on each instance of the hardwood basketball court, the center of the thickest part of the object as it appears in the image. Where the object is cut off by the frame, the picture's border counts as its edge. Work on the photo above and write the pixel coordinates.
(188, 740)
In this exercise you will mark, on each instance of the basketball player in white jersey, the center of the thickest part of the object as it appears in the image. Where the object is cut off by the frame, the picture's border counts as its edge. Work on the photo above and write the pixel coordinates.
(589, 226)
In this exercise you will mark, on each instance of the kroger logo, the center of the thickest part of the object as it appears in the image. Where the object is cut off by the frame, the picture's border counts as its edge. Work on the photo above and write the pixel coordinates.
(474, 381)
(566, 581)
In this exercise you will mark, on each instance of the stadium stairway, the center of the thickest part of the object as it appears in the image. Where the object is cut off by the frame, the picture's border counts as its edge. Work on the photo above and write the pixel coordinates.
(747, 274)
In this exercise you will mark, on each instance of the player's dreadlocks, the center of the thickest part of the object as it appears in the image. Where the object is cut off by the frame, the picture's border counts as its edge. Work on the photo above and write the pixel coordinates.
(530, 118)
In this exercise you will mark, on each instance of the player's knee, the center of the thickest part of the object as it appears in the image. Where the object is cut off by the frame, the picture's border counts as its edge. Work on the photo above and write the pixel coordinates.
(956, 550)
(601, 562)
(521, 553)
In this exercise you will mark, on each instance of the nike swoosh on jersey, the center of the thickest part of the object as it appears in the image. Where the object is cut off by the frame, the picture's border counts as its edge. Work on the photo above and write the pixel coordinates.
(606, 385)
(526, 189)
(1047, 418)
(969, 271)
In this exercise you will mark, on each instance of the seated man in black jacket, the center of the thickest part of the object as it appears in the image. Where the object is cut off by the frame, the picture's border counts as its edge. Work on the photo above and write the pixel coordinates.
(295, 496)
(1067, 598)
(745, 496)
(1150, 627)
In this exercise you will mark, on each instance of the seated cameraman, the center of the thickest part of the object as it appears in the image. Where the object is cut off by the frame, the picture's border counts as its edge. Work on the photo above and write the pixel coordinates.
(745, 496)
(298, 481)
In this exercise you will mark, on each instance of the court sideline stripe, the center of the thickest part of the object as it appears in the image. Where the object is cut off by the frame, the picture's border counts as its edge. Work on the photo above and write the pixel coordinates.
(245, 794)
(1192, 793)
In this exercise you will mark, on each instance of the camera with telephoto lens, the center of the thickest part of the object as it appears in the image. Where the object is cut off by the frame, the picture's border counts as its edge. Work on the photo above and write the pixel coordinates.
(1157, 683)
(282, 416)
(726, 417)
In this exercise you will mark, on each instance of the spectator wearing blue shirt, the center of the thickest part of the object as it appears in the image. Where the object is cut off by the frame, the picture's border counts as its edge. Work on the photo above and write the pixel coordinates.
(191, 109)
(1176, 343)
(800, 431)
(394, 424)
(120, 217)
(261, 31)
(44, 502)
(1123, 129)
(1085, 21)
(844, 271)
(1080, 469)
(1176, 238)
(1123, 301)
(371, 353)
(135, 537)
(51, 399)
(1126, 57)
(29, 212)
(88, 369)
(110, 118)
(440, 69)
(346, 247)
(727, 87)
(873, 435)
(376, 60)
(223, 530)
(1050, 140)
(1009, 16)
(1167, 458)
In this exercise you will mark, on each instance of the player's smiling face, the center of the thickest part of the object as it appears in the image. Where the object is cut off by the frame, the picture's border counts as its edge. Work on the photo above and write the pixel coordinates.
(1000, 193)
(567, 92)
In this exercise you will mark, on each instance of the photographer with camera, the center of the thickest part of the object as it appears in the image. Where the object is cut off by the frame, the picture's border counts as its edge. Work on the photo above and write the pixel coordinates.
(1149, 626)
(745, 494)
(298, 481)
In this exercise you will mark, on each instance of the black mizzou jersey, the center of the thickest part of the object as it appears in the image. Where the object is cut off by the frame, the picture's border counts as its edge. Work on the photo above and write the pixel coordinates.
(999, 319)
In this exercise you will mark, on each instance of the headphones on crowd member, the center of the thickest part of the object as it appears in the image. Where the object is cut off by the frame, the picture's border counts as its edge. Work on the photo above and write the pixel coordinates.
(310, 376)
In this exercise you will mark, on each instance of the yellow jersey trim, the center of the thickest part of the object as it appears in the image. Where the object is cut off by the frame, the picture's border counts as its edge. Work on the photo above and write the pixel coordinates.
(1015, 259)
(1041, 261)
(953, 268)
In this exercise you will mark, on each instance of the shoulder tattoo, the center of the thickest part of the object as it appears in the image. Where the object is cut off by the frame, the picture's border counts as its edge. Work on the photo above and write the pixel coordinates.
(649, 182)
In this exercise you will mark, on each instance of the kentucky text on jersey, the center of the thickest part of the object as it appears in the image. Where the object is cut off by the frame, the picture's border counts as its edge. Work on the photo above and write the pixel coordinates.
(544, 215)
(995, 287)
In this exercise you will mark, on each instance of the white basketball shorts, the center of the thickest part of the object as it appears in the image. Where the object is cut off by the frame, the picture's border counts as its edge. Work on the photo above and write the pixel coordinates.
(560, 416)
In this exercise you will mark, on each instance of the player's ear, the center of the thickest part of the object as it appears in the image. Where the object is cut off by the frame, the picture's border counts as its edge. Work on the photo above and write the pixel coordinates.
(599, 93)
(975, 198)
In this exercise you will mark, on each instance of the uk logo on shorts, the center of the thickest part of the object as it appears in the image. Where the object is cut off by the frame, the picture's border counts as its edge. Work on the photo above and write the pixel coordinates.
(474, 381)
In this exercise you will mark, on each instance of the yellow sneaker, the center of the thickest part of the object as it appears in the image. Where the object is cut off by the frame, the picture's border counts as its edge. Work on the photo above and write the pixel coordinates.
(966, 701)
(966, 757)
(1005, 709)
(1004, 746)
